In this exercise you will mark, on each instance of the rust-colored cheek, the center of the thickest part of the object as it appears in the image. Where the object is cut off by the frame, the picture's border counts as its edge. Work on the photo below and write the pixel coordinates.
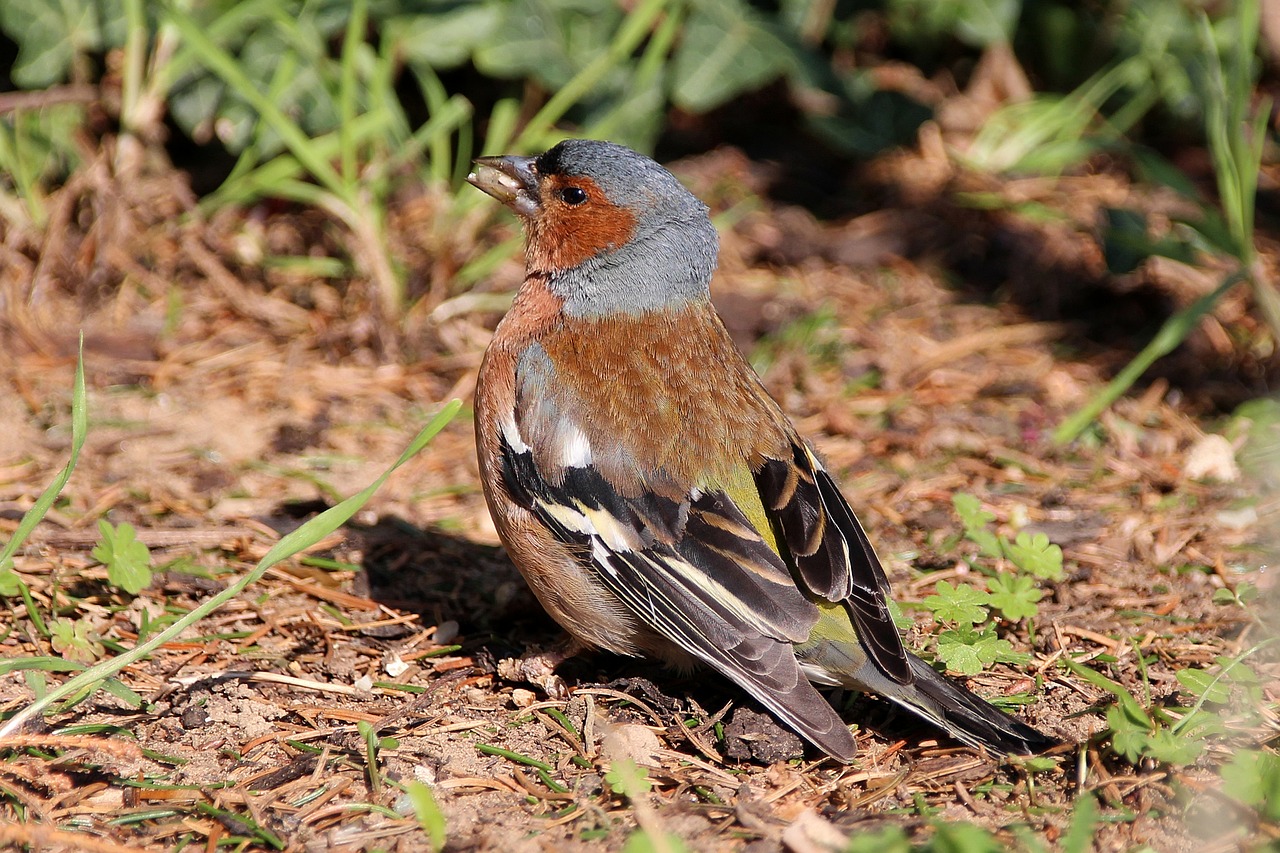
(565, 235)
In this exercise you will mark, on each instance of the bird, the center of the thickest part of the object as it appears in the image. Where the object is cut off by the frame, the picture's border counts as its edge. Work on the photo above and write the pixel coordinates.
(654, 496)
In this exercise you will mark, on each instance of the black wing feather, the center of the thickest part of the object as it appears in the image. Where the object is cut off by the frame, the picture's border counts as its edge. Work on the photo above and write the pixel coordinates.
(726, 599)
(832, 554)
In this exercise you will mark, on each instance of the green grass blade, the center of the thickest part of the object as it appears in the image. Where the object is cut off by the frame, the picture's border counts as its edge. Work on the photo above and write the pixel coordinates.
(351, 44)
(236, 18)
(251, 156)
(1097, 679)
(243, 187)
(1084, 823)
(434, 135)
(1017, 136)
(1173, 332)
(33, 612)
(466, 151)
(649, 69)
(430, 817)
(79, 429)
(502, 127)
(1222, 674)
(135, 57)
(436, 97)
(331, 519)
(44, 664)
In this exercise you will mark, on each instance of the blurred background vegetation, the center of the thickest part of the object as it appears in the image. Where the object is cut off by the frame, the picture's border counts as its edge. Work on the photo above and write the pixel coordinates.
(345, 108)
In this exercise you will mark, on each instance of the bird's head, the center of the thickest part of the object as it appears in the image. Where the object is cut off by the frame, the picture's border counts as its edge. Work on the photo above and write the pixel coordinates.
(612, 230)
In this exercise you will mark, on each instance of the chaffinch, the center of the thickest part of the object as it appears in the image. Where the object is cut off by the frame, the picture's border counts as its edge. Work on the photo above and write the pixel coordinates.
(654, 496)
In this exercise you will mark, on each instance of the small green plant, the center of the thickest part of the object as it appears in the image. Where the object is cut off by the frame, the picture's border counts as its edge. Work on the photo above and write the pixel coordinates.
(36, 150)
(1015, 596)
(248, 830)
(1236, 128)
(964, 604)
(1049, 133)
(430, 817)
(75, 640)
(968, 651)
(1031, 553)
(128, 561)
(341, 140)
(1035, 554)
(628, 779)
(58, 39)
(1242, 595)
(1084, 823)
(1229, 682)
(1252, 777)
(42, 144)
(373, 745)
(1178, 736)
(322, 170)
(970, 643)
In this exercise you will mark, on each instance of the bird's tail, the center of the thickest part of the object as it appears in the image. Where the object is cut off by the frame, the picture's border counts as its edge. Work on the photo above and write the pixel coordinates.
(833, 655)
(965, 716)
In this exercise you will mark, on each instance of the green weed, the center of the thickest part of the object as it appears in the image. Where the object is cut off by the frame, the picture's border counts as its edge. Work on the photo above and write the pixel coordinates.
(1252, 777)
(373, 745)
(970, 642)
(1178, 736)
(627, 779)
(128, 561)
(430, 818)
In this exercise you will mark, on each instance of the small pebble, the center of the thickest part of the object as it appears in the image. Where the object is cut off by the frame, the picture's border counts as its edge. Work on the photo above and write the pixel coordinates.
(629, 740)
(446, 633)
(394, 666)
(1212, 458)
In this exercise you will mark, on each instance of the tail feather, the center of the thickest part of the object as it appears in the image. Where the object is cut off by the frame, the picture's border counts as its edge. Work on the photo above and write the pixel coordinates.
(833, 655)
(965, 716)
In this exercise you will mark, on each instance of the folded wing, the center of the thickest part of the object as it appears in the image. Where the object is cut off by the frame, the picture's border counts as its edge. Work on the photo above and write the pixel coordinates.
(695, 570)
(831, 552)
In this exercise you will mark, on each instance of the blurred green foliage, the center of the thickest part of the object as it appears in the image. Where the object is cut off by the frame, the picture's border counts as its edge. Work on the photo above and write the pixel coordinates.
(57, 40)
(712, 52)
(976, 23)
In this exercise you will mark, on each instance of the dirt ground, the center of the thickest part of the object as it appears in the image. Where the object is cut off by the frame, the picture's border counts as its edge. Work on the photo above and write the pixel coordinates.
(925, 348)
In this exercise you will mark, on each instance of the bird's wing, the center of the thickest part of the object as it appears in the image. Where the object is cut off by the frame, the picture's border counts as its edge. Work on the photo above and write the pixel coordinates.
(695, 570)
(831, 552)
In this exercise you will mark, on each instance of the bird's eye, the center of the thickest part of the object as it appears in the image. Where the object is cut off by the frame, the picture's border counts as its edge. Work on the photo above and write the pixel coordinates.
(573, 195)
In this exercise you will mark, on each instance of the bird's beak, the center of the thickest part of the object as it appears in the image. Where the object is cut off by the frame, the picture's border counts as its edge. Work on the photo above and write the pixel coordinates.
(511, 180)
